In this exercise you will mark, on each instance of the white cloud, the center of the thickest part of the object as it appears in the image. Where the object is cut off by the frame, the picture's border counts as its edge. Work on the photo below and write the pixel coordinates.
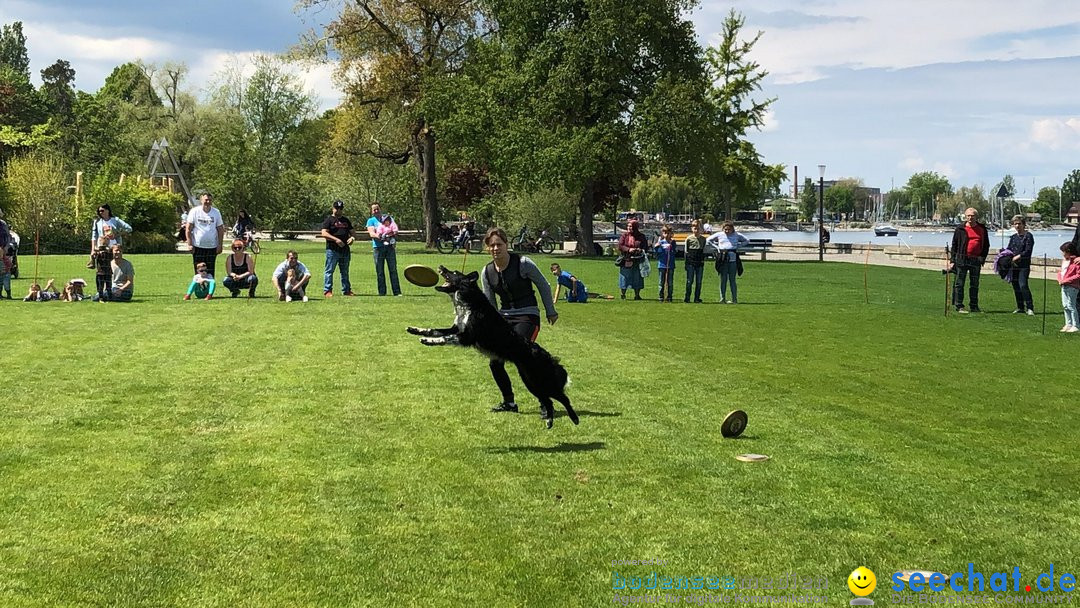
(1055, 133)
(769, 122)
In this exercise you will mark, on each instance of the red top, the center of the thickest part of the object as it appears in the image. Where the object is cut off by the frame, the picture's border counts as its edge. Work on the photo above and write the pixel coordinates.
(974, 244)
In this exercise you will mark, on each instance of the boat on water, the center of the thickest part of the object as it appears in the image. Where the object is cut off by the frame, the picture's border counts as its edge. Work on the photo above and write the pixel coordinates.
(885, 230)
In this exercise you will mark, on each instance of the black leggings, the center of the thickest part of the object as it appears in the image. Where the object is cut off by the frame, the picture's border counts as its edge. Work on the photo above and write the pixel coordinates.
(526, 326)
(104, 286)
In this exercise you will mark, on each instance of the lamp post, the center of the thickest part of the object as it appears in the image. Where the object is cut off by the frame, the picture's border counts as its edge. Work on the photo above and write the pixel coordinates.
(821, 214)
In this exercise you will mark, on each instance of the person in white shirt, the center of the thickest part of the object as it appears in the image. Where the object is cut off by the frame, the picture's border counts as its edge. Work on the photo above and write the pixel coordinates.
(205, 231)
(297, 286)
(727, 243)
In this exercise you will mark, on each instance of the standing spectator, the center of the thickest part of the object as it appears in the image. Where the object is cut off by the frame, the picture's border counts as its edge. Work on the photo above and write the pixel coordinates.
(632, 244)
(665, 261)
(112, 228)
(695, 261)
(241, 270)
(384, 248)
(1069, 279)
(123, 278)
(202, 284)
(102, 261)
(296, 289)
(338, 232)
(727, 243)
(1021, 243)
(5, 233)
(512, 278)
(6, 265)
(970, 246)
(205, 233)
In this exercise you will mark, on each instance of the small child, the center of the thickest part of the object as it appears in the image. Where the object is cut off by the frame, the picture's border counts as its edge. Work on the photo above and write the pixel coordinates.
(665, 261)
(1069, 279)
(5, 275)
(202, 284)
(37, 294)
(575, 289)
(102, 260)
(291, 285)
(73, 291)
(386, 230)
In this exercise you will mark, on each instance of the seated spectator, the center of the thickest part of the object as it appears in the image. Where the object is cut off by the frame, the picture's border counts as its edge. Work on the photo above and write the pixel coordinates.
(37, 294)
(241, 270)
(202, 284)
(289, 290)
(122, 287)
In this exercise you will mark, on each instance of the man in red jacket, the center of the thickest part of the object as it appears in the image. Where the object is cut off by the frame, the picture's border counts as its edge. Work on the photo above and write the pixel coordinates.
(970, 246)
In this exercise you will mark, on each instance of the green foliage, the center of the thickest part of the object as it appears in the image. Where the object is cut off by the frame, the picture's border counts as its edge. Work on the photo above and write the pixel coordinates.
(130, 83)
(808, 199)
(1070, 190)
(663, 193)
(545, 208)
(951, 207)
(840, 198)
(13, 49)
(924, 189)
(36, 184)
(149, 210)
(143, 242)
(1047, 204)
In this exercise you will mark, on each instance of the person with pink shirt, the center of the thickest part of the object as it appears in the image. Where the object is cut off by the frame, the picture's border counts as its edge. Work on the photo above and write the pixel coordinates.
(1069, 279)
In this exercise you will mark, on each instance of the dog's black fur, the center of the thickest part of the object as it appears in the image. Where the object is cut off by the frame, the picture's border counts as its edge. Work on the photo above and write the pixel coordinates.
(479, 325)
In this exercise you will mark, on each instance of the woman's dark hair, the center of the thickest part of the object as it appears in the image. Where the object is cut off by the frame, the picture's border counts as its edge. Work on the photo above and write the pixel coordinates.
(1068, 247)
(242, 214)
(106, 207)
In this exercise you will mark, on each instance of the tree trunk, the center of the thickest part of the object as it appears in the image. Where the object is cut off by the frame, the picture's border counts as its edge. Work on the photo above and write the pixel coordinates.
(585, 223)
(424, 144)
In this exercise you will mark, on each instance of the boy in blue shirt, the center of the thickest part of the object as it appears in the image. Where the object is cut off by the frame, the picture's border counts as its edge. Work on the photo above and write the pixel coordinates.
(575, 289)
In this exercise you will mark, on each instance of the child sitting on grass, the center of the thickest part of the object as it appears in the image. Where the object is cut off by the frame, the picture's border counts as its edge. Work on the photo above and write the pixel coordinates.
(102, 260)
(37, 294)
(73, 291)
(202, 284)
(291, 285)
(1069, 279)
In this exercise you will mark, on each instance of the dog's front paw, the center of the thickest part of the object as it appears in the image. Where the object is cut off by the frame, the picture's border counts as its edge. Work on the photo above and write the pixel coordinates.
(416, 331)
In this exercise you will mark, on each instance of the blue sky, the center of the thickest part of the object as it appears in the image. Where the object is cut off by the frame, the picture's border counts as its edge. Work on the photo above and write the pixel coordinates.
(873, 89)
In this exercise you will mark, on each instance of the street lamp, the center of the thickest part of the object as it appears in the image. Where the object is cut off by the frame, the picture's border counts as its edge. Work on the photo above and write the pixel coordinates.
(821, 213)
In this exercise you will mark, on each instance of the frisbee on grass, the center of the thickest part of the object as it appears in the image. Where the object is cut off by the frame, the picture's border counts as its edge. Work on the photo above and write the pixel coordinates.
(751, 457)
(734, 424)
(421, 275)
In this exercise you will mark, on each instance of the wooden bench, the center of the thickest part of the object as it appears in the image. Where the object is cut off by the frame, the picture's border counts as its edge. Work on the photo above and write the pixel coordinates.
(762, 246)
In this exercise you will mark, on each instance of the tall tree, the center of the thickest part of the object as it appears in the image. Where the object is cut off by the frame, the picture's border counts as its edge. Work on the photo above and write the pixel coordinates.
(808, 199)
(1048, 203)
(566, 95)
(1070, 190)
(924, 188)
(13, 49)
(390, 52)
(736, 78)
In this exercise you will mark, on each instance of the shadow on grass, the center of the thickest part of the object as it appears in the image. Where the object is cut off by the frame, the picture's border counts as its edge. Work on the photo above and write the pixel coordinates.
(586, 413)
(562, 447)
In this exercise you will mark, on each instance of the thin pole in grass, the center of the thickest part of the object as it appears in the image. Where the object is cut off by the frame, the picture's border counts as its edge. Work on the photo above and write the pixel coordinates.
(1044, 296)
(946, 273)
(866, 267)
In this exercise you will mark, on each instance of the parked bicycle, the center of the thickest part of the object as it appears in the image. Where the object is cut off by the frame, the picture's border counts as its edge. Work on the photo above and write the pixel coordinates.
(526, 244)
(466, 239)
(250, 242)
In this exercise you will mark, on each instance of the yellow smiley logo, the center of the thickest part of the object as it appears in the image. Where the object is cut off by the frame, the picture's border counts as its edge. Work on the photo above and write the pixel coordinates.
(862, 581)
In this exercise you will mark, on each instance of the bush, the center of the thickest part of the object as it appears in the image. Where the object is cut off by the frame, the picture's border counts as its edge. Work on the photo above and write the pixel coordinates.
(147, 209)
(143, 242)
(550, 208)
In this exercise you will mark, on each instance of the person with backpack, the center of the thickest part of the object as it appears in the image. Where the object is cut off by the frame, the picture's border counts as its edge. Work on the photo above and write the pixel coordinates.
(515, 280)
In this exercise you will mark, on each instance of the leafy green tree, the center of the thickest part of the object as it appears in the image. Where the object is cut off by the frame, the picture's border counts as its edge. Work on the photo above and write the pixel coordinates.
(1047, 204)
(13, 52)
(1070, 190)
(952, 206)
(808, 200)
(36, 184)
(897, 202)
(389, 54)
(840, 198)
(663, 192)
(924, 188)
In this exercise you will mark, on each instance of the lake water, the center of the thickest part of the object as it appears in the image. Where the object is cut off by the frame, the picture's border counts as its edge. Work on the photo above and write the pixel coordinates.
(1046, 241)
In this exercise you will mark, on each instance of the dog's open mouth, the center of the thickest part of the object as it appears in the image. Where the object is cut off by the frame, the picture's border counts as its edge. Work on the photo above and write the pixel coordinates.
(445, 272)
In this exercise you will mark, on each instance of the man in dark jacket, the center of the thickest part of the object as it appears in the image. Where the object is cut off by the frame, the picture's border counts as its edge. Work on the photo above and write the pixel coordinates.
(970, 246)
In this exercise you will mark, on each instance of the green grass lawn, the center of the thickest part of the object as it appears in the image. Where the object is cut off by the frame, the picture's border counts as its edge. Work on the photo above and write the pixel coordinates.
(258, 453)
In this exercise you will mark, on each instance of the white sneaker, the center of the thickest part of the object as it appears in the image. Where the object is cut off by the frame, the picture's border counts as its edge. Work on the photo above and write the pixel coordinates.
(288, 298)
(1072, 329)
(1064, 328)
(305, 299)
(1030, 313)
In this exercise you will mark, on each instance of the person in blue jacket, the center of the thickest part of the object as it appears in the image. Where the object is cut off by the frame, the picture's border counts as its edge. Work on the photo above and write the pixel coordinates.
(665, 261)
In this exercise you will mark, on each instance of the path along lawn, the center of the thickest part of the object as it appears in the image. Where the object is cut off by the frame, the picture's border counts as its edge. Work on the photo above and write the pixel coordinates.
(258, 453)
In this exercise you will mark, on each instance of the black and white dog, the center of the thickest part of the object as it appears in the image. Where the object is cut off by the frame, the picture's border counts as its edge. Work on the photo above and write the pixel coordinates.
(479, 325)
